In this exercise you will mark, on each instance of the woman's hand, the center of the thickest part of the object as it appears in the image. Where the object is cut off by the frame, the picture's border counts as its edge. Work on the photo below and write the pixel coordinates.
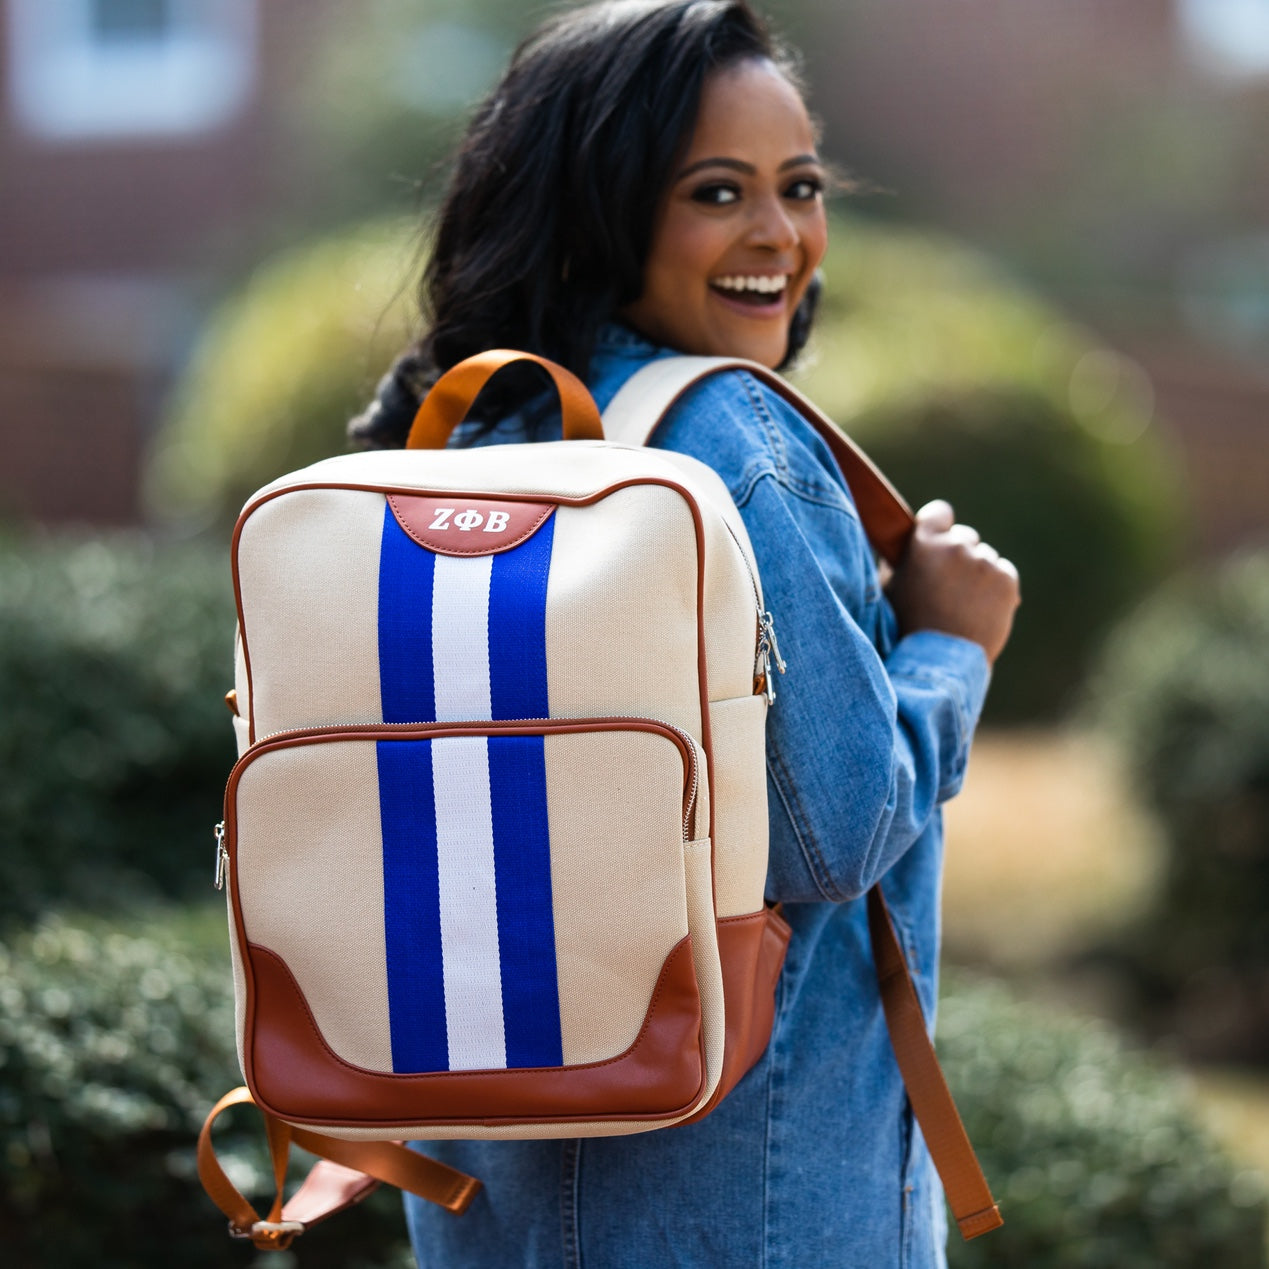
(951, 580)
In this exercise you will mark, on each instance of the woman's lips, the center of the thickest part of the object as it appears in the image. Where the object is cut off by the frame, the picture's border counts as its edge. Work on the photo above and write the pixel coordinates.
(751, 303)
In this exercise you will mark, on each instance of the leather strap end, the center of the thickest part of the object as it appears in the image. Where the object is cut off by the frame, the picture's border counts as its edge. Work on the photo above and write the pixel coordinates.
(980, 1223)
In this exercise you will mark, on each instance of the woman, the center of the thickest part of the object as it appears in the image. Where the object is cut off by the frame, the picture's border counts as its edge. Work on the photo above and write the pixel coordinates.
(644, 182)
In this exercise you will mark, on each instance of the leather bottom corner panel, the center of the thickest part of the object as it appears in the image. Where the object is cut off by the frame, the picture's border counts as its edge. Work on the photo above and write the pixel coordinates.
(752, 948)
(294, 1075)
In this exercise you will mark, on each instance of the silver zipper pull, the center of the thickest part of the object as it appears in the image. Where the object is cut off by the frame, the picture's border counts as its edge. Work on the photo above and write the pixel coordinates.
(768, 630)
(222, 856)
(769, 651)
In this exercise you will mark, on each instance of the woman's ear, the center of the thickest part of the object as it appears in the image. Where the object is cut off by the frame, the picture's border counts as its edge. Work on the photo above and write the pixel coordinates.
(803, 320)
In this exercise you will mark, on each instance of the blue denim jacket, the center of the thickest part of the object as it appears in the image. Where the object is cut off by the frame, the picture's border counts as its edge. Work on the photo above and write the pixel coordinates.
(813, 1160)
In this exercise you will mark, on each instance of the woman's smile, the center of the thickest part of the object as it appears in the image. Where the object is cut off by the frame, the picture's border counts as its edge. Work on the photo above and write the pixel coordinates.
(754, 294)
(741, 229)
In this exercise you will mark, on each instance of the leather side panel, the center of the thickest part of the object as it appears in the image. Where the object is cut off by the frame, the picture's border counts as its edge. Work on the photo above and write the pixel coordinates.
(752, 949)
(294, 1075)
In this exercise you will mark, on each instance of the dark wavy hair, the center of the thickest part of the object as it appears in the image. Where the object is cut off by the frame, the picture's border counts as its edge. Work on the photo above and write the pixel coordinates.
(548, 217)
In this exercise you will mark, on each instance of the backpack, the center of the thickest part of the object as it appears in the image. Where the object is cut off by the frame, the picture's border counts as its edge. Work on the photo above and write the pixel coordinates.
(496, 841)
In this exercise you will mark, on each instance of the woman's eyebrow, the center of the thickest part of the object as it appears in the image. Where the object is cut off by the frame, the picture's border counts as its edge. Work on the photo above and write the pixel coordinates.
(747, 169)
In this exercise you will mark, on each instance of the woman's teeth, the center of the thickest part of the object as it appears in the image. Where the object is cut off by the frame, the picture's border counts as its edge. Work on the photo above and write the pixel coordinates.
(753, 288)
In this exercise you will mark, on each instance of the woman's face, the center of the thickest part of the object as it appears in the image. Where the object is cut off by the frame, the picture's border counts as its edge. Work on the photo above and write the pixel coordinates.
(741, 229)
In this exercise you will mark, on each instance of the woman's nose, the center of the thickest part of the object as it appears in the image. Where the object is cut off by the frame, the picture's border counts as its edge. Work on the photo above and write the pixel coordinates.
(772, 227)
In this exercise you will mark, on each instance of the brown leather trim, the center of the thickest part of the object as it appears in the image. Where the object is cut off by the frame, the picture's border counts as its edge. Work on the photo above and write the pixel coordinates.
(752, 950)
(419, 514)
(439, 731)
(968, 1194)
(346, 1172)
(231, 701)
(455, 392)
(294, 1075)
(589, 499)
(886, 517)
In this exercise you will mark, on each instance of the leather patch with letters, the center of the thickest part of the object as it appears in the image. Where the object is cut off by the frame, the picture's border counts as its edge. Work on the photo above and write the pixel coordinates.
(452, 524)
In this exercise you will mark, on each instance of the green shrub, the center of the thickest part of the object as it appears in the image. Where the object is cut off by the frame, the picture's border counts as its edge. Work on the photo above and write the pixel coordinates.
(1184, 688)
(281, 368)
(113, 1047)
(962, 385)
(1087, 534)
(114, 741)
(959, 381)
(1091, 1151)
(114, 1043)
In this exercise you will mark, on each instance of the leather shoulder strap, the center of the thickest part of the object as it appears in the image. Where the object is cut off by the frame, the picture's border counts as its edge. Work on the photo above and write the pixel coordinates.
(648, 395)
(631, 418)
(966, 1188)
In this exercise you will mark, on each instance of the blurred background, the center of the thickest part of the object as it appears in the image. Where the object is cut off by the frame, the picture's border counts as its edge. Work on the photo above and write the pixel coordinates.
(1052, 307)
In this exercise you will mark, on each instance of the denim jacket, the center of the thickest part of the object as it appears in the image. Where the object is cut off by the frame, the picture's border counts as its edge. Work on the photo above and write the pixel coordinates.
(813, 1159)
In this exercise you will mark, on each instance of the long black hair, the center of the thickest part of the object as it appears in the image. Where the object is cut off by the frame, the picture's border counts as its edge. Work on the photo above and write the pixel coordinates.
(548, 217)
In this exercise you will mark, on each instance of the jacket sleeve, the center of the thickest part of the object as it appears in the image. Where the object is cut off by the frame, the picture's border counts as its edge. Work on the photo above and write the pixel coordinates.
(860, 749)
(862, 746)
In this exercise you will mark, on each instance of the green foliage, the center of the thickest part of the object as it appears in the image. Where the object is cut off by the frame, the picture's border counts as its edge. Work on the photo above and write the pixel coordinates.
(114, 1044)
(281, 368)
(114, 657)
(961, 385)
(1091, 1150)
(1087, 535)
(1184, 688)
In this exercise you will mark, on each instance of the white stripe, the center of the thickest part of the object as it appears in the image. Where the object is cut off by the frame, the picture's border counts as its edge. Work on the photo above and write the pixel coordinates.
(469, 909)
(460, 637)
(464, 820)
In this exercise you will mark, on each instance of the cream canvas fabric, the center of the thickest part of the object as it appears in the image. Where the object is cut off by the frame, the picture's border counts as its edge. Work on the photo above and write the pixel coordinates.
(449, 887)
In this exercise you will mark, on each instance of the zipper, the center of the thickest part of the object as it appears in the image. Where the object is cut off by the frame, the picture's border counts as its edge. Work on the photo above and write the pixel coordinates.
(222, 856)
(767, 646)
(769, 651)
(688, 746)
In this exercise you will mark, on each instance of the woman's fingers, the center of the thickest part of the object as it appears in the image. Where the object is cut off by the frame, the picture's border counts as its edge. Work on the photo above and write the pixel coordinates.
(937, 516)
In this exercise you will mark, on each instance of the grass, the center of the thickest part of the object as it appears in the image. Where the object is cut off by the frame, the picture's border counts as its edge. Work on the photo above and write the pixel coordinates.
(1045, 851)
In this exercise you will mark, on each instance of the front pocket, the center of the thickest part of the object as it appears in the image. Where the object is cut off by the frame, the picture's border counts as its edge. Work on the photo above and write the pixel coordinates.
(450, 907)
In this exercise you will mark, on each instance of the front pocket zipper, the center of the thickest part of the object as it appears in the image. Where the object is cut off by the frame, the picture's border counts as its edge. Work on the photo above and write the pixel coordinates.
(437, 730)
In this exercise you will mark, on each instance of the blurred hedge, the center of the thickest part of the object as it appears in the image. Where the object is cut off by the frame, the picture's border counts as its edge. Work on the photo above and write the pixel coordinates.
(961, 382)
(115, 655)
(1092, 1151)
(1087, 528)
(113, 1044)
(113, 1047)
(282, 366)
(1184, 688)
(963, 385)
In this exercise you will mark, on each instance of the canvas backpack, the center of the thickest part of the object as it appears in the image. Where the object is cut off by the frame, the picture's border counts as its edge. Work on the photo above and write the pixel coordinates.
(496, 841)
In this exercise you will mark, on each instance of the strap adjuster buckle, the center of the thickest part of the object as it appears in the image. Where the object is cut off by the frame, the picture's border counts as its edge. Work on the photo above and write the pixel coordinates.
(269, 1235)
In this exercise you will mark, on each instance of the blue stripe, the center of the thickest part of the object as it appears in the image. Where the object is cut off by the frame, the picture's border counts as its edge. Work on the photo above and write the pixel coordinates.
(526, 926)
(406, 688)
(518, 799)
(411, 906)
(517, 778)
(517, 627)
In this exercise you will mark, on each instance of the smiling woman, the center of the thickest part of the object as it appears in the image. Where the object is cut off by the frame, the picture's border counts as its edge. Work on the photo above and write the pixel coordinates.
(741, 229)
(643, 183)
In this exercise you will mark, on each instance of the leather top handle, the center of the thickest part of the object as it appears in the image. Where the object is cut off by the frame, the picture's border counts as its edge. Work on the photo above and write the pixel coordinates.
(643, 400)
(452, 395)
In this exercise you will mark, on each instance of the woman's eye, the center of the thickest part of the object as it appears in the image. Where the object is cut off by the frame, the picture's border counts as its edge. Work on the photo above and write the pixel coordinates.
(716, 194)
(805, 188)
